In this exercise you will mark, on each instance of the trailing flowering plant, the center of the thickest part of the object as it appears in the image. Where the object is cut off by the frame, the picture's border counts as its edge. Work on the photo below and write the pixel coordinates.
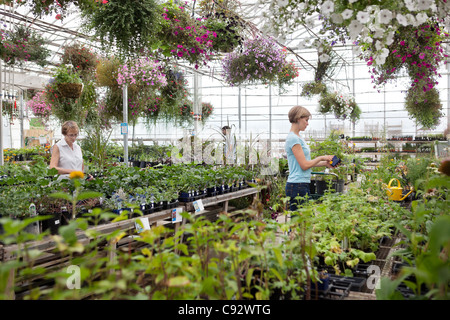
(81, 58)
(128, 26)
(228, 28)
(261, 61)
(418, 51)
(40, 106)
(142, 72)
(21, 45)
(425, 108)
(287, 75)
(184, 37)
(343, 107)
(313, 88)
(187, 112)
(392, 35)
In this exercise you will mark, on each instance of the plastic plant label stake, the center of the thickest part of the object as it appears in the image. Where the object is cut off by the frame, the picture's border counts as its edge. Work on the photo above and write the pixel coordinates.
(145, 224)
(198, 206)
(176, 215)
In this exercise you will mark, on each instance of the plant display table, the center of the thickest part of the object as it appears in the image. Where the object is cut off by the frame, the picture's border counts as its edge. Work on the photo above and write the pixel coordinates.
(53, 261)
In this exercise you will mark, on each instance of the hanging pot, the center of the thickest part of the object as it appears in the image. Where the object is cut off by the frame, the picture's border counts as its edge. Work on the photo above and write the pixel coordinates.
(70, 90)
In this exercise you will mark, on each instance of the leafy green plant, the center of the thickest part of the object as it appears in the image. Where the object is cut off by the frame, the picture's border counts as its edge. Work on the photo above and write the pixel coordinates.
(424, 247)
(128, 25)
(66, 74)
(424, 107)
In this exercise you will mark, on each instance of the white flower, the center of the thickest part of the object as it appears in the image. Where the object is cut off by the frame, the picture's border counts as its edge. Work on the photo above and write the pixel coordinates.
(301, 6)
(337, 18)
(354, 28)
(364, 32)
(380, 60)
(421, 17)
(411, 20)
(324, 57)
(411, 5)
(310, 22)
(423, 4)
(347, 14)
(352, 1)
(362, 16)
(390, 38)
(385, 16)
(384, 52)
(378, 45)
(327, 7)
(402, 19)
(283, 3)
(379, 33)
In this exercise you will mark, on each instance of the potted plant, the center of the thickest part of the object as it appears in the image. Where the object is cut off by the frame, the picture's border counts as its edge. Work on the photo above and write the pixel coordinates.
(261, 61)
(68, 81)
(40, 106)
(227, 28)
(183, 37)
(127, 25)
(21, 45)
(343, 107)
(83, 60)
(313, 88)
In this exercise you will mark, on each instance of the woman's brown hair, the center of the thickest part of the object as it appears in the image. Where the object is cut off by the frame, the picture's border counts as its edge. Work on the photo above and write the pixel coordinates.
(69, 125)
(297, 113)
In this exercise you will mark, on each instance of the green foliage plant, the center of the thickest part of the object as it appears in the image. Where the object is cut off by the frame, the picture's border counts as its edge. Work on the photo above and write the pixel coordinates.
(127, 25)
(424, 247)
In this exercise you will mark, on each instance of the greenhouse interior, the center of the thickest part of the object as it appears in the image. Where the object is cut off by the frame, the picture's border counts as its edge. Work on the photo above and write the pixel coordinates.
(224, 150)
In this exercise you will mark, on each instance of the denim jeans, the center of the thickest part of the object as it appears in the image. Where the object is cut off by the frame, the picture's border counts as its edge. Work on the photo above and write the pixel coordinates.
(294, 190)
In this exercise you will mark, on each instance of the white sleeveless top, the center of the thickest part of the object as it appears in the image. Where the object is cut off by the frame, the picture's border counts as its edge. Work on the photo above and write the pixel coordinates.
(68, 158)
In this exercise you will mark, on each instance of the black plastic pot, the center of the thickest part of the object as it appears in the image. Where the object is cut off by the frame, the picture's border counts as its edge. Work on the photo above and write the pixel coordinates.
(357, 283)
(339, 186)
(312, 187)
(211, 191)
(52, 223)
(170, 204)
(321, 186)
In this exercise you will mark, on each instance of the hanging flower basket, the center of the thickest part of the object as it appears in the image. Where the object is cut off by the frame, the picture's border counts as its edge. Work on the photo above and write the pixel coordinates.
(70, 90)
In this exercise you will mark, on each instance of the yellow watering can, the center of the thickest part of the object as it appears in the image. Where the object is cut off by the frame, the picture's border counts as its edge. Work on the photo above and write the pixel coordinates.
(395, 193)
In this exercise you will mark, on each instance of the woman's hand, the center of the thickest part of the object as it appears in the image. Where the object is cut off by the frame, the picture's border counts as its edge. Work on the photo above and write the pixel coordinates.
(327, 158)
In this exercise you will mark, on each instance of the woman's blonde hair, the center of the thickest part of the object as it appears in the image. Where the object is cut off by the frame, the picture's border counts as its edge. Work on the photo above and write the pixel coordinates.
(69, 125)
(297, 113)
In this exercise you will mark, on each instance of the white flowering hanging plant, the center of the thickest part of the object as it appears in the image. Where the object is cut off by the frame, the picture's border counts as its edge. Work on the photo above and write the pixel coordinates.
(389, 35)
(343, 107)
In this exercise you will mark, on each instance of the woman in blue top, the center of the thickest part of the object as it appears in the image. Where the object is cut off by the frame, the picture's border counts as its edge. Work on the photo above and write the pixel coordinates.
(299, 157)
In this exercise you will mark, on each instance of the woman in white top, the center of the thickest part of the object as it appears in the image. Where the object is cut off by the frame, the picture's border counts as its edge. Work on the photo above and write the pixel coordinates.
(66, 154)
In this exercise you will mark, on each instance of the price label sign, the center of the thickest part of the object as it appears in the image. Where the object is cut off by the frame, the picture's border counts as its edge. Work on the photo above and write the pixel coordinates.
(198, 206)
(124, 128)
(176, 216)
